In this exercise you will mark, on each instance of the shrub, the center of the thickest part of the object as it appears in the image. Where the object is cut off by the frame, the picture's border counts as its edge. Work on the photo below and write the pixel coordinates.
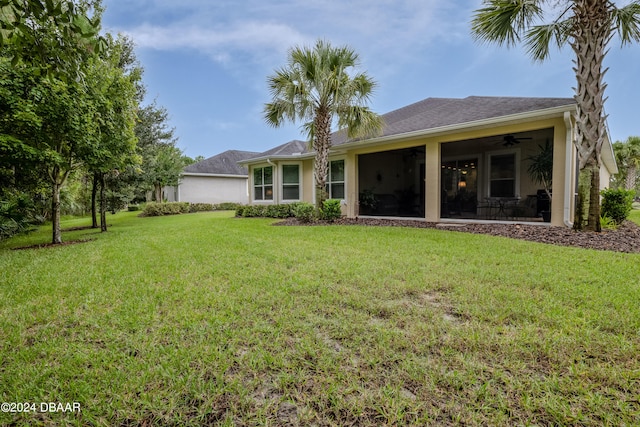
(607, 223)
(617, 204)
(279, 211)
(304, 212)
(331, 210)
(201, 207)
(227, 206)
(133, 208)
(159, 209)
(266, 211)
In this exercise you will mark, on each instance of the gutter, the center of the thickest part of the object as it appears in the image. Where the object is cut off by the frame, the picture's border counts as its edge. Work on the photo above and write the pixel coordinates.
(214, 175)
(269, 159)
(568, 172)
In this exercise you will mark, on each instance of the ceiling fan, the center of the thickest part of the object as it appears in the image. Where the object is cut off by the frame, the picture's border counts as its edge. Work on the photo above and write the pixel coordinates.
(509, 140)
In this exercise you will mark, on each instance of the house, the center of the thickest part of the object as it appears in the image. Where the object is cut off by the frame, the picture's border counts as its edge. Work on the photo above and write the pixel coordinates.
(217, 179)
(441, 159)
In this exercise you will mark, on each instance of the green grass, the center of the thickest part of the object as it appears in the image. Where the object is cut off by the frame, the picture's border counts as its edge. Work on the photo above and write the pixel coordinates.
(635, 216)
(207, 319)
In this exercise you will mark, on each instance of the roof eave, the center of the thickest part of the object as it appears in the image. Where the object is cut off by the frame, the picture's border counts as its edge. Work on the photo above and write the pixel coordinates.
(212, 175)
(267, 159)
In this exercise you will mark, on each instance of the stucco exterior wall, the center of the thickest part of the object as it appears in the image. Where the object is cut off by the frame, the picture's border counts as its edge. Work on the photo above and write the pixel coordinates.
(213, 189)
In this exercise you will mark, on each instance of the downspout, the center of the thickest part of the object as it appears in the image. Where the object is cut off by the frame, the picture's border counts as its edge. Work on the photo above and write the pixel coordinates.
(568, 171)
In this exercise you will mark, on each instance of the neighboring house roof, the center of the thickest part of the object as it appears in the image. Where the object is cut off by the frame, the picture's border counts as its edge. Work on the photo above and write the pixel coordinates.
(284, 151)
(225, 163)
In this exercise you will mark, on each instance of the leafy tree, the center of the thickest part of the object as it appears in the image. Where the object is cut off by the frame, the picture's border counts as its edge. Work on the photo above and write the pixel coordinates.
(628, 158)
(114, 89)
(316, 87)
(53, 36)
(162, 161)
(587, 26)
(49, 122)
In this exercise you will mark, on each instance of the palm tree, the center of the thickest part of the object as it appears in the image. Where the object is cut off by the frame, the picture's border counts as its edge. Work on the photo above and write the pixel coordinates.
(316, 88)
(587, 26)
(628, 159)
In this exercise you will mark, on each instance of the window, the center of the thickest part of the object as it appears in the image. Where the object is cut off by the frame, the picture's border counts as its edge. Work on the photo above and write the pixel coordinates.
(263, 183)
(502, 175)
(290, 182)
(335, 180)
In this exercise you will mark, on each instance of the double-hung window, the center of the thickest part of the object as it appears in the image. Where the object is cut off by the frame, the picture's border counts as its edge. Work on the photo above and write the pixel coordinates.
(335, 180)
(263, 183)
(290, 182)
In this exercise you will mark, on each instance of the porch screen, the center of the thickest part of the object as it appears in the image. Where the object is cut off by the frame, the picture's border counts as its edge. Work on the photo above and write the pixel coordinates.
(503, 175)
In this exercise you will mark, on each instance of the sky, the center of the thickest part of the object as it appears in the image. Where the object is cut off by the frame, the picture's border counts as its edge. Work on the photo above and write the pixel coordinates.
(207, 61)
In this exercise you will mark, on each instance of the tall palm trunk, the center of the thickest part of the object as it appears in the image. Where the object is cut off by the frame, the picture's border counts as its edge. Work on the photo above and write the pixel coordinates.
(321, 144)
(631, 178)
(592, 33)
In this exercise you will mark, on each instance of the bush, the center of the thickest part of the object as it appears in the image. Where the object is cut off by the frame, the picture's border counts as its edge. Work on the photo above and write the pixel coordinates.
(227, 206)
(617, 204)
(607, 223)
(266, 211)
(159, 209)
(201, 207)
(133, 208)
(331, 210)
(304, 212)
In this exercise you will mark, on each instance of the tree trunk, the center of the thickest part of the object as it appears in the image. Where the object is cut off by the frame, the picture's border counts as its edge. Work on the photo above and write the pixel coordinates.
(593, 219)
(322, 144)
(591, 34)
(631, 178)
(94, 193)
(158, 191)
(103, 204)
(55, 206)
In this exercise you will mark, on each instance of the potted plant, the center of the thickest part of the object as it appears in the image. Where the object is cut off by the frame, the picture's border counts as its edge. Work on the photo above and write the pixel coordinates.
(541, 172)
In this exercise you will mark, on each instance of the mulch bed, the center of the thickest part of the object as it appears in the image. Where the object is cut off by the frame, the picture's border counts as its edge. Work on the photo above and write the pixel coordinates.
(626, 238)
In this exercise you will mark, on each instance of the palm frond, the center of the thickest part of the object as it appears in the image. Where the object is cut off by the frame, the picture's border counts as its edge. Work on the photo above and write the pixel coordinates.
(540, 38)
(360, 122)
(504, 21)
(626, 20)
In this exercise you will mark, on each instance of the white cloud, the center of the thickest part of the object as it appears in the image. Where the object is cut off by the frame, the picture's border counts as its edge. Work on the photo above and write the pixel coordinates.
(255, 38)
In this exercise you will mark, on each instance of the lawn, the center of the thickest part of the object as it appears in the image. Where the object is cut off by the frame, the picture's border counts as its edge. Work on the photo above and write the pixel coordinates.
(206, 319)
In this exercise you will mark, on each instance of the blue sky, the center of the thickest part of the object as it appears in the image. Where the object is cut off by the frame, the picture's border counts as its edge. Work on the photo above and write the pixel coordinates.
(207, 61)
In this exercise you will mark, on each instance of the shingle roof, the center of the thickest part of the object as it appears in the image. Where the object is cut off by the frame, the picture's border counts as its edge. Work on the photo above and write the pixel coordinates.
(288, 149)
(225, 163)
(433, 113)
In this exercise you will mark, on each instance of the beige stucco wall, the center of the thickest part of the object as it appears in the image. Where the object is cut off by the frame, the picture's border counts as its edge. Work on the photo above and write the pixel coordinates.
(205, 189)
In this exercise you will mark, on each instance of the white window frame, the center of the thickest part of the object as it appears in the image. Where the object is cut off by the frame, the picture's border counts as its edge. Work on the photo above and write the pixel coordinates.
(516, 153)
(282, 183)
(273, 184)
(344, 181)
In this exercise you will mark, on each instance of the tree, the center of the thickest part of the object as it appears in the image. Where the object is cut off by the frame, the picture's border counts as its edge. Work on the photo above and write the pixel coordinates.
(162, 161)
(315, 87)
(53, 36)
(114, 89)
(587, 26)
(628, 158)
